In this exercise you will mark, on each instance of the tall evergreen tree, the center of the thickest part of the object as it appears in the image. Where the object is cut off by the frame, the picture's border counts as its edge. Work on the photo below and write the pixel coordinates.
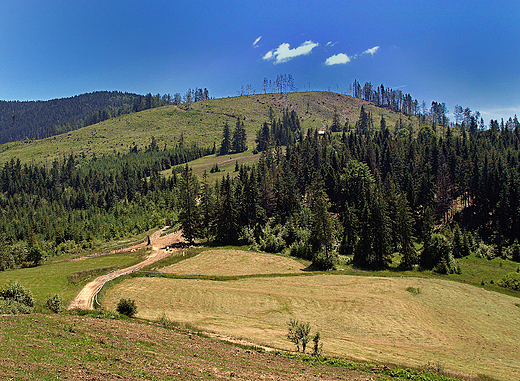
(189, 215)
(239, 142)
(225, 145)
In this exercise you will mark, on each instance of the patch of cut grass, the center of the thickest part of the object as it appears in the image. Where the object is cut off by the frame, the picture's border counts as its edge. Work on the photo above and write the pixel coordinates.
(229, 262)
(466, 329)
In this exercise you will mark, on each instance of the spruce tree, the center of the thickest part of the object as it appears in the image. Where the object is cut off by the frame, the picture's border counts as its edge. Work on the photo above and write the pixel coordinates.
(225, 145)
(189, 214)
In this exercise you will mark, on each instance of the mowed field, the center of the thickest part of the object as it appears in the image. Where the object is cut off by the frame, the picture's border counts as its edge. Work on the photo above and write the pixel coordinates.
(462, 328)
(234, 263)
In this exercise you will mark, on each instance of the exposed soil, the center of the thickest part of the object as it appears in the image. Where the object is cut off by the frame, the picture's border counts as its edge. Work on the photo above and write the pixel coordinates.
(161, 246)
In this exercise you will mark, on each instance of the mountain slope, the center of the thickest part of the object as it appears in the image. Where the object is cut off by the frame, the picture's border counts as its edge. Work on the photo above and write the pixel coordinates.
(36, 119)
(200, 122)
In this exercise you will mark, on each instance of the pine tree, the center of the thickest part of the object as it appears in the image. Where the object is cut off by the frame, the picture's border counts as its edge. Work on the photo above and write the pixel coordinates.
(322, 228)
(207, 205)
(336, 125)
(189, 214)
(225, 145)
(226, 222)
(404, 227)
(263, 138)
(239, 137)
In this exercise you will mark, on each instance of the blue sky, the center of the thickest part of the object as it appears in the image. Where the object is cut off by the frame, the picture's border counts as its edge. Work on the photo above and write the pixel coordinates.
(457, 52)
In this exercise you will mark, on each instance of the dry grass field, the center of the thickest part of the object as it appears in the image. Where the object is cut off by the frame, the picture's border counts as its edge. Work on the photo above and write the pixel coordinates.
(234, 263)
(460, 327)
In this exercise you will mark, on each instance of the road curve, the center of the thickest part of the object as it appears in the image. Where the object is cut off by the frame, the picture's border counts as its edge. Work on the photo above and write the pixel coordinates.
(85, 298)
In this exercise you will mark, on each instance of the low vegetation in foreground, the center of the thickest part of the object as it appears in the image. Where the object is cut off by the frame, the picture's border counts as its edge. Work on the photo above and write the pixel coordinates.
(105, 346)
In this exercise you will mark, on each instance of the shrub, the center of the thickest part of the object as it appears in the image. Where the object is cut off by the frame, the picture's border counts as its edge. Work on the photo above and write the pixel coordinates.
(16, 292)
(318, 345)
(511, 281)
(300, 249)
(272, 238)
(55, 303)
(15, 299)
(324, 261)
(247, 235)
(12, 307)
(127, 307)
(437, 255)
(484, 251)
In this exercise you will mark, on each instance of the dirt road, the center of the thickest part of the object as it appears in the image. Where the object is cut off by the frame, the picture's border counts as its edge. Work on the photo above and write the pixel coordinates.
(85, 298)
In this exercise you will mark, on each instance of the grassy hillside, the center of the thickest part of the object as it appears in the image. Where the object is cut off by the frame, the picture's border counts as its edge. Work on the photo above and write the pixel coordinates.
(407, 321)
(66, 277)
(199, 122)
(48, 347)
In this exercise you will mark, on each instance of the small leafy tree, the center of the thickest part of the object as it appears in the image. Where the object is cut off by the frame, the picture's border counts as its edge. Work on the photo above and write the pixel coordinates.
(55, 303)
(292, 334)
(127, 307)
(304, 329)
(298, 333)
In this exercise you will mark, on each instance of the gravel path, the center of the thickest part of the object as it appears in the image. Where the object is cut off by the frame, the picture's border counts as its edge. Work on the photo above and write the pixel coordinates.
(85, 298)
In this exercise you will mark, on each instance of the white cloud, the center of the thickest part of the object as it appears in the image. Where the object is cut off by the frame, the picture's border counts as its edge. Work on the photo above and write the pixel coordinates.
(371, 51)
(284, 53)
(337, 59)
(256, 42)
(331, 44)
(342, 58)
(268, 55)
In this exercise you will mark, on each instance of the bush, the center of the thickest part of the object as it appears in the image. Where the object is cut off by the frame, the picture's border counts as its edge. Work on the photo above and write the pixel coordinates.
(324, 261)
(437, 255)
(511, 281)
(484, 251)
(272, 238)
(127, 307)
(55, 303)
(12, 307)
(300, 249)
(16, 292)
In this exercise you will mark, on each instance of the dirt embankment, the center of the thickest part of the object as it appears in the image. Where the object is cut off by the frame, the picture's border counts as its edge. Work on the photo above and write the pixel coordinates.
(85, 298)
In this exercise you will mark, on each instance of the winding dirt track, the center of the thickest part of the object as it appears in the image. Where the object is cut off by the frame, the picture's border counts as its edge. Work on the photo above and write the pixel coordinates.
(85, 298)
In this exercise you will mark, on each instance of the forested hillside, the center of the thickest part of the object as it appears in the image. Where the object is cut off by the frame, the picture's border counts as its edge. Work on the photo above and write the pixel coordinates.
(42, 119)
(368, 193)
(383, 183)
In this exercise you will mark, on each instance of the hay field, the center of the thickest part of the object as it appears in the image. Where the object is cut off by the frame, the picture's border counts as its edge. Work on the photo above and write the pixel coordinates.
(234, 263)
(463, 328)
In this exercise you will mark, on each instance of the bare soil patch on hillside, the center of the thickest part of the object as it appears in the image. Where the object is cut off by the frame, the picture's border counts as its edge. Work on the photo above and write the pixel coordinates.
(234, 263)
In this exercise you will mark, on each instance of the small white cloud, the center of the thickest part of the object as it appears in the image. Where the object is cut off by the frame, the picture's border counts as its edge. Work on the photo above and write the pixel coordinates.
(331, 44)
(284, 53)
(338, 59)
(256, 42)
(268, 55)
(371, 51)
